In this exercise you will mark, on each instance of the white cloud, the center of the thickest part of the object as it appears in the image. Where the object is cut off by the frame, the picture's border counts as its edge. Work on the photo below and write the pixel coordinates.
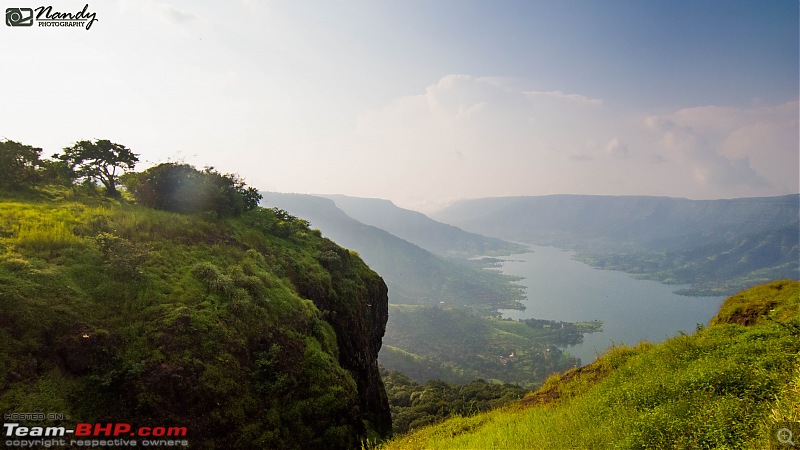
(755, 147)
(161, 9)
(616, 147)
(466, 136)
(581, 99)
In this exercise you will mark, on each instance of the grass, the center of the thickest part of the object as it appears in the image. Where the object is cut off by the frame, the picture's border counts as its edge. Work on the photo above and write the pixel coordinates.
(725, 386)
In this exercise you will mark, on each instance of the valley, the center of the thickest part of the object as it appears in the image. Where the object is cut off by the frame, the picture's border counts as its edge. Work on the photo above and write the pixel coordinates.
(457, 336)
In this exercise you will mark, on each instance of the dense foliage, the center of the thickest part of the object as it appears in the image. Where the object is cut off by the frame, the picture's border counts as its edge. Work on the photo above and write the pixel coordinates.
(18, 165)
(184, 189)
(428, 342)
(232, 328)
(415, 405)
(733, 384)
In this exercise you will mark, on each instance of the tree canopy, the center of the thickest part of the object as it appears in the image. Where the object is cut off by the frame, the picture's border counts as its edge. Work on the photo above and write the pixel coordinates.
(183, 188)
(18, 164)
(101, 160)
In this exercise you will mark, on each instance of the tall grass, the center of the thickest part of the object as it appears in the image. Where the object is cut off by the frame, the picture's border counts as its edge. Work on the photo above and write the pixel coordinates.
(39, 227)
(47, 236)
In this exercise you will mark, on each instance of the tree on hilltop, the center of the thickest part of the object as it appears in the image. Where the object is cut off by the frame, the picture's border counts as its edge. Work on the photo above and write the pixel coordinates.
(18, 164)
(101, 160)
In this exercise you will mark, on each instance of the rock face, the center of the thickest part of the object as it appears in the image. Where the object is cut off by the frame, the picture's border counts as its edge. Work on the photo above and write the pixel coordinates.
(364, 362)
(359, 319)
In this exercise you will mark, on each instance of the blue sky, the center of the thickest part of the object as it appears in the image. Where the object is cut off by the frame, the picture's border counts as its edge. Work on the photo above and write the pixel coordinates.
(426, 102)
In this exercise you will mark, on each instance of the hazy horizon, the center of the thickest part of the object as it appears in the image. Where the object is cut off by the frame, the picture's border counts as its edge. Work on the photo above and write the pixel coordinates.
(442, 206)
(427, 103)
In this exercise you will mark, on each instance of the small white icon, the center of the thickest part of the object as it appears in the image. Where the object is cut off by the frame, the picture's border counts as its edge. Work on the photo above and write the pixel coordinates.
(784, 436)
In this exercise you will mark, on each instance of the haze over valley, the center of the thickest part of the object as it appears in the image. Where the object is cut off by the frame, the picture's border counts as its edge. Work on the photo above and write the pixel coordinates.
(704, 248)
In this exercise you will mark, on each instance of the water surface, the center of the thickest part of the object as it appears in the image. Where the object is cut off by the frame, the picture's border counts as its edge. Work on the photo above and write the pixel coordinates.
(560, 288)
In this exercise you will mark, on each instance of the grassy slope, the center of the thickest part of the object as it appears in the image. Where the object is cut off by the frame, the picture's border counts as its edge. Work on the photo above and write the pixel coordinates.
(725, 386)
(115, 312)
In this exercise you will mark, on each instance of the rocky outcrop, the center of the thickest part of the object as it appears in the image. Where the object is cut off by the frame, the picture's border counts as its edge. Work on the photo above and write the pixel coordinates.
(358, 316)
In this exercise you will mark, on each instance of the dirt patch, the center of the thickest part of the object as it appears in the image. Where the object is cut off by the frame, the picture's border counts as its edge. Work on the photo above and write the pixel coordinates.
(748, 316)
(590, 375)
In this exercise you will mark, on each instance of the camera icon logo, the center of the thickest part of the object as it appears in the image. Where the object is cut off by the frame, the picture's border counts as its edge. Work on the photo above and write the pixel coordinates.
(19, 17)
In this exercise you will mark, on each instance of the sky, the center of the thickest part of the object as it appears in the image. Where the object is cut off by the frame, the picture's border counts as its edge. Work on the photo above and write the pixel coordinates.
(425, 102)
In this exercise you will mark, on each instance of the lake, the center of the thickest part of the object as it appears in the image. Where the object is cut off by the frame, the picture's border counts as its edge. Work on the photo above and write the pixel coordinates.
(560, 288)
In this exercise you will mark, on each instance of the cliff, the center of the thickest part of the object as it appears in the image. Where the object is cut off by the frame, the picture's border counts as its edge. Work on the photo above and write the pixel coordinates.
(249, 331)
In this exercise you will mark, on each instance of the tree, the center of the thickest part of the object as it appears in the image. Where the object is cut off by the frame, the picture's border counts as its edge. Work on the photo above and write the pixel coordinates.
(18, 164)
(101, 160)
(184, 189)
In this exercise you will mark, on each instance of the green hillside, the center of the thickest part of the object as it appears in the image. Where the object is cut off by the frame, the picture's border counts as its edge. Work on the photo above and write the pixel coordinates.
(719, 268)
(250, 330)
(732, 384)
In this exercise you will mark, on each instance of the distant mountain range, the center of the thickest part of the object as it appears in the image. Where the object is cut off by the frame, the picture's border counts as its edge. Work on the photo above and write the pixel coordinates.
(415, 227)
(586, 222)
(414, 275)
(718, 246)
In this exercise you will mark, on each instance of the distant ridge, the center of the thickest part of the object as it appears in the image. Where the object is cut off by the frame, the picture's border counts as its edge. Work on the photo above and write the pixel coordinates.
(717, 246)
(415, 227)
(586, 221)
(413, 274)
